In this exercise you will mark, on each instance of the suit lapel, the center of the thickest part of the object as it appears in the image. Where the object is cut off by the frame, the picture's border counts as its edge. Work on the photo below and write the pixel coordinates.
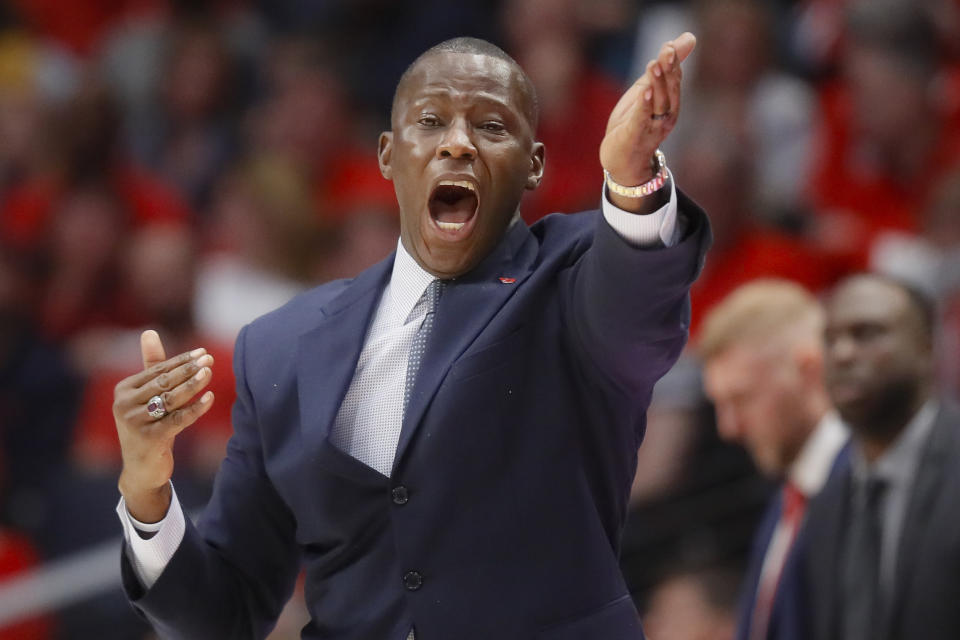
(825, 545)
(328, 353)
(926, 486)
(464, 309)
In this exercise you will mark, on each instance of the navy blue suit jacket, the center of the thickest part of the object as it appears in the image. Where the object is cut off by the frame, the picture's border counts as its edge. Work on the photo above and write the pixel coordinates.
(758, 551)
(789, 614)
(517, 452)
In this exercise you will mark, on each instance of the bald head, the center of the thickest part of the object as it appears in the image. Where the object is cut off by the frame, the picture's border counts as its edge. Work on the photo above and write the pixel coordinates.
(476, 46)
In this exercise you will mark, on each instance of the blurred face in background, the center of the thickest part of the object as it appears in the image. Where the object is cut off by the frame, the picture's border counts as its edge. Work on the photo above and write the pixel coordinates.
(709, 163)
(21, 120)
(170, 251)
(879, 360)
(197, 75)
(736, 32)
(306, 117)
(760, 394)
(87, 232)
(889, 98)
(460, 154)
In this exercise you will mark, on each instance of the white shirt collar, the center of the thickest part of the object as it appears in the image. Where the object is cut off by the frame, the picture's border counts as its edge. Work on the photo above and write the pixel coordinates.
(898, 463)
(408, 281)
(809, 472)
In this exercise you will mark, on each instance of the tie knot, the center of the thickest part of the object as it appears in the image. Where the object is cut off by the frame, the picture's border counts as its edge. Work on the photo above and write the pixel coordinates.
(432, 294)
(427, 303)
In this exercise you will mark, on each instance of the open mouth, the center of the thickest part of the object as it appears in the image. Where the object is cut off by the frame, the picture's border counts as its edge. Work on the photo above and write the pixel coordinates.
(453, 204)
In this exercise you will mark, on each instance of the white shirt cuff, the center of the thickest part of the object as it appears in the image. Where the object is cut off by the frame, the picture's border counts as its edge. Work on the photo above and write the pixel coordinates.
(150, 556)
(649, 230)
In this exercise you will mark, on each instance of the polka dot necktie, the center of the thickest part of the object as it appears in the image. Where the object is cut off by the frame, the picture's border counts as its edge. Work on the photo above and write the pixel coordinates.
(430, 298)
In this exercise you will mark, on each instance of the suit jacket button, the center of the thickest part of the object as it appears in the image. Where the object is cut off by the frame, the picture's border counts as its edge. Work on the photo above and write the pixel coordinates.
(412, 580)
(400, 495)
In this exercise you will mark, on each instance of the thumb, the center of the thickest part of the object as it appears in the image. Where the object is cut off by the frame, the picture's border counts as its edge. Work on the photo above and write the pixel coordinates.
(151, 348)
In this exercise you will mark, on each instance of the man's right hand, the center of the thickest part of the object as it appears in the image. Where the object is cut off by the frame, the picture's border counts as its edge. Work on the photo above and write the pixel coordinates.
(146, 443)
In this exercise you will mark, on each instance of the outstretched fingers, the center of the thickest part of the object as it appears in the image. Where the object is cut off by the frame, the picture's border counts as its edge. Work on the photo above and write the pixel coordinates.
(175, 381)
(179, 419)
(177, 386)
(659, 97)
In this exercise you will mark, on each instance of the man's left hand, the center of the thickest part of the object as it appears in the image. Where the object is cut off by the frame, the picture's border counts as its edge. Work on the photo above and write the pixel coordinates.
(643, 118)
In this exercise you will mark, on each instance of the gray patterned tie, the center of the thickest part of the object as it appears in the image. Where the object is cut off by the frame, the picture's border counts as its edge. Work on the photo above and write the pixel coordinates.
(430, 298)
(861, 576)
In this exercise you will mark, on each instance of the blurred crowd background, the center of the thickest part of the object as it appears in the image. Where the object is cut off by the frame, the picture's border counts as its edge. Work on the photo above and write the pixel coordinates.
(188, 165)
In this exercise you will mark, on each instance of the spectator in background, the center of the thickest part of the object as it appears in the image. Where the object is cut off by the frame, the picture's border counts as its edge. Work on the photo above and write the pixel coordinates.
(763, 369)
(887, 135)
(771, 111)
(815, 31)
(930, 261)
(38, 399)
(190, 137)
(882, 538)
(105, 355)
(72, 218)
(694, 604)
(305, 116)
(23, 108)
(547, 38)
(84, 236)
(39, 396)
(268, 243)
(717, 170)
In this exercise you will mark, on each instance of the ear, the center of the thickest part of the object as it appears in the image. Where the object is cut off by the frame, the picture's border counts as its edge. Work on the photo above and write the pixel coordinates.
(535, 175)
(384, 149)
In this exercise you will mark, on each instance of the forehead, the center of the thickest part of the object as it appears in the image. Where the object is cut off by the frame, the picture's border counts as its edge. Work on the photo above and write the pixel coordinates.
(867, 300)
(463, 75)
(736, 367)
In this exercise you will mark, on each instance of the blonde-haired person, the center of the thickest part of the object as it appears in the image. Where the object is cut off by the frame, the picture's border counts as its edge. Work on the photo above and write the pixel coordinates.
(763, 369)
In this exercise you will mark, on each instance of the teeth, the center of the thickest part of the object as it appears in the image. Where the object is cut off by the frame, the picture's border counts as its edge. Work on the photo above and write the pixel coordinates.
(458, 183)
(450, 226)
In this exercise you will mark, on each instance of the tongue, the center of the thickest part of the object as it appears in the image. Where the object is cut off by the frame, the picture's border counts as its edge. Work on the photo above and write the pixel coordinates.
(459, 211)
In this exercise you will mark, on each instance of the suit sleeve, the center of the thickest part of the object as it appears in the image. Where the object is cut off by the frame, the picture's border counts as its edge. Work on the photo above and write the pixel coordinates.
(233, 572)
(629, 306)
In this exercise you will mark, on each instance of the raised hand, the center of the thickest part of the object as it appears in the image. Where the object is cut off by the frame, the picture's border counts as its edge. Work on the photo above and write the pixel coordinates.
(146, 441)
(645, 115)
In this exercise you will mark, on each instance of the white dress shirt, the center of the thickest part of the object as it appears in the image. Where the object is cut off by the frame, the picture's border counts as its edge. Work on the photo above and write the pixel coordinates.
(373, 401)
(808, 474)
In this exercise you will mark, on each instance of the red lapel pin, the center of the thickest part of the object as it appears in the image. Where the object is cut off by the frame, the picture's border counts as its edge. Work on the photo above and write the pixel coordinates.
(508, 280)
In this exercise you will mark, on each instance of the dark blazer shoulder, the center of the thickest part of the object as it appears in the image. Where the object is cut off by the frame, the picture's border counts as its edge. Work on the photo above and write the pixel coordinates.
(566, 233)
(303, 311)
(302, 306)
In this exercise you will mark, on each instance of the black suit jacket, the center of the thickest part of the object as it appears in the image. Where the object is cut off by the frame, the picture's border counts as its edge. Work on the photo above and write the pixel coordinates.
(514, 464)
(926, 598)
